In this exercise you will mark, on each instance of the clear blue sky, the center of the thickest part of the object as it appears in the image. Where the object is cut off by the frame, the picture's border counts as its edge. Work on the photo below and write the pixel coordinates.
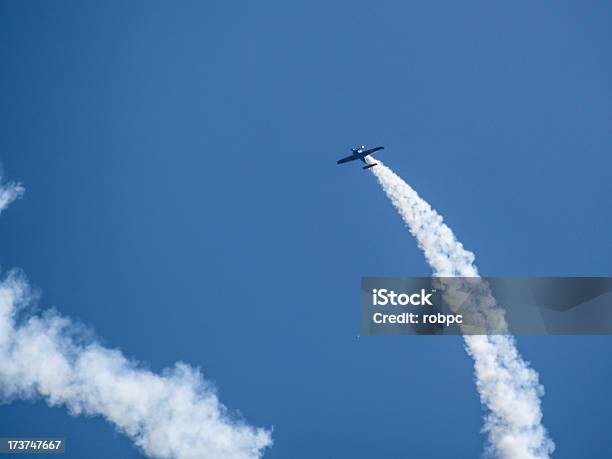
(183, 200)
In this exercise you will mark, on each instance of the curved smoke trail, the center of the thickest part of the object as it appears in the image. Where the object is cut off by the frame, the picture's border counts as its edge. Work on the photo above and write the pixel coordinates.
(508, 387)
(176, 414)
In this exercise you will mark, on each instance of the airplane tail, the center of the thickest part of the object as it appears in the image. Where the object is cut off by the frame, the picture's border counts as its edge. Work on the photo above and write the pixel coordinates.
(370, 165)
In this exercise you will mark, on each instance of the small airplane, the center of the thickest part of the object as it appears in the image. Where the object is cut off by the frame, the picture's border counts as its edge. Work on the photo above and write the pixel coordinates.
(360, 153)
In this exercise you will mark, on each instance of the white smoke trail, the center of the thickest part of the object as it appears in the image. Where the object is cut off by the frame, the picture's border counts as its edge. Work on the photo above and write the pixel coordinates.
(175, 414)
(508, 387)
(9, 192)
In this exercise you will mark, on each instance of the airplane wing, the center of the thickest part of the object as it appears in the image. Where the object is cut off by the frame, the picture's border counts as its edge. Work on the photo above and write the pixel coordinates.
(370, 151)
(347, 159)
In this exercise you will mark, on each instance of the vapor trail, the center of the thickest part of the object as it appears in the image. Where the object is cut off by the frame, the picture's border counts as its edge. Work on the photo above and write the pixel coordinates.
(508, 387)
(9, 192)
(175, 414)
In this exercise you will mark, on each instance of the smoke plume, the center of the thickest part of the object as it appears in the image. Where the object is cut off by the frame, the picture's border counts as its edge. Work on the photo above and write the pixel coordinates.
(508, 387)
(175, 414)
(9, 192)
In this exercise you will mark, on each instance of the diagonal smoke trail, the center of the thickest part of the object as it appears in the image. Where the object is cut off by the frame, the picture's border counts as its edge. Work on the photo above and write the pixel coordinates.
(175, 414)
(508, 387)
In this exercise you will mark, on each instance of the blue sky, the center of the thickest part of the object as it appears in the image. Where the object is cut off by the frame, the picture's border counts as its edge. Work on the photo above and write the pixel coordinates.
(183, 200)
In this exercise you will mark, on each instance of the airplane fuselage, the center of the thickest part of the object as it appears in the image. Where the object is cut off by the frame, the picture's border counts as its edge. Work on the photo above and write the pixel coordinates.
(360, 153)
